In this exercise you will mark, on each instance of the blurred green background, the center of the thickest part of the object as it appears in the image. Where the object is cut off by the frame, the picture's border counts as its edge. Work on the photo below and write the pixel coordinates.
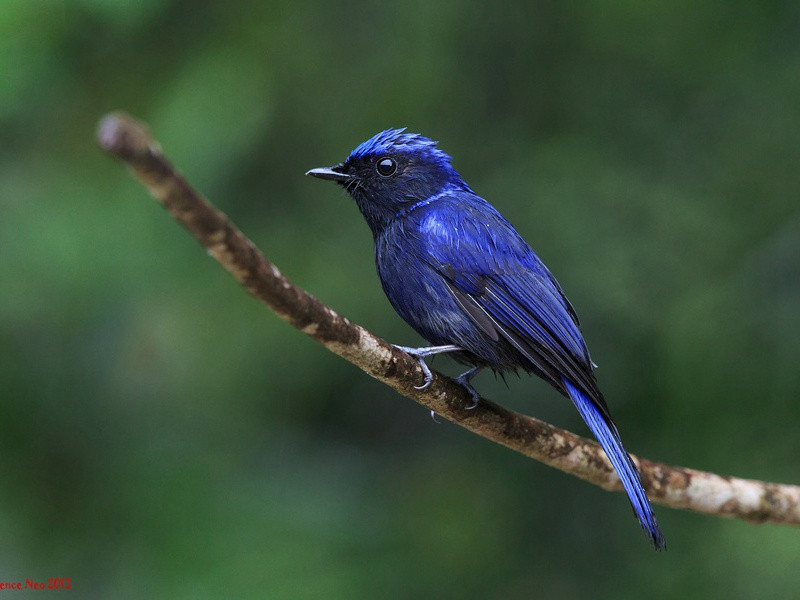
(164, 436)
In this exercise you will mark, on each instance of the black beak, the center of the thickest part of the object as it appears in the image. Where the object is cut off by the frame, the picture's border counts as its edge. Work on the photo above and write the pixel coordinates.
(331, 173)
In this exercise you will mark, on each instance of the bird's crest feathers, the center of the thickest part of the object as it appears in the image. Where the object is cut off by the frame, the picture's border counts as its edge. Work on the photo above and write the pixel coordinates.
(396, 140)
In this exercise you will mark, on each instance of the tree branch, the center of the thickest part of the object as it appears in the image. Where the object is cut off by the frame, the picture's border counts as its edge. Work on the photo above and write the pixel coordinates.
(679, 487)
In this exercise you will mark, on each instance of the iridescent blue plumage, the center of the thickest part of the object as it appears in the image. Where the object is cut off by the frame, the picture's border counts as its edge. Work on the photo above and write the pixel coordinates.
(393, 140)
(462, 276)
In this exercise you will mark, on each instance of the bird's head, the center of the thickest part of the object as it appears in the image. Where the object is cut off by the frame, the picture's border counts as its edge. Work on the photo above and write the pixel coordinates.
(391, 172)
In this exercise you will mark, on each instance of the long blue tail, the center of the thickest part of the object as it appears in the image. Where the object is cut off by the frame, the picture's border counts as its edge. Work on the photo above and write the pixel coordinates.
(608, 436)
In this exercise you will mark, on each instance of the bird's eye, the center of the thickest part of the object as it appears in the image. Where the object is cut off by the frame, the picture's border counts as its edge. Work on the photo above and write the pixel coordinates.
(386, 166)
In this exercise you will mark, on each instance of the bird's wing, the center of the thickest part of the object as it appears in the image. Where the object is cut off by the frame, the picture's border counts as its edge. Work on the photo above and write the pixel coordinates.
(508, 293)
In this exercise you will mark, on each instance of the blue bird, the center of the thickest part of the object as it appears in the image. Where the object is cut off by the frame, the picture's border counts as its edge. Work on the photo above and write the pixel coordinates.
(465, 280)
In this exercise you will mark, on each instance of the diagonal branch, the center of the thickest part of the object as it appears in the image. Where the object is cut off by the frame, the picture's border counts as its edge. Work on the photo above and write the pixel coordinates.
(679, 487)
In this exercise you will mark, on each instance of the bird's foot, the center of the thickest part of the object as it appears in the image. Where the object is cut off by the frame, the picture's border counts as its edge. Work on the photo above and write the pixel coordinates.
(464, 381)
(422, 353)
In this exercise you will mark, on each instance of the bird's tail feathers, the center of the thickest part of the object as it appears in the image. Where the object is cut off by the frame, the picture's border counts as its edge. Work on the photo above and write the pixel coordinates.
(606, 433)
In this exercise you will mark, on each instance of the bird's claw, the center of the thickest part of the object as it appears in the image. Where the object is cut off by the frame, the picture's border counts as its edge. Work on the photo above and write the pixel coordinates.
(425, 371)
(419, 354)
(475, 396)
(464, 381)
(422, 353)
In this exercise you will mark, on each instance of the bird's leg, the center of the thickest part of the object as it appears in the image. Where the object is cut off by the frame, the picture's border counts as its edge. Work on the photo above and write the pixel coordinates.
(422, 353)
(464, 380)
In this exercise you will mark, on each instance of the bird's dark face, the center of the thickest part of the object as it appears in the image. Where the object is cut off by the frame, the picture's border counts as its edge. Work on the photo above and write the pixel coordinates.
(391, 172)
